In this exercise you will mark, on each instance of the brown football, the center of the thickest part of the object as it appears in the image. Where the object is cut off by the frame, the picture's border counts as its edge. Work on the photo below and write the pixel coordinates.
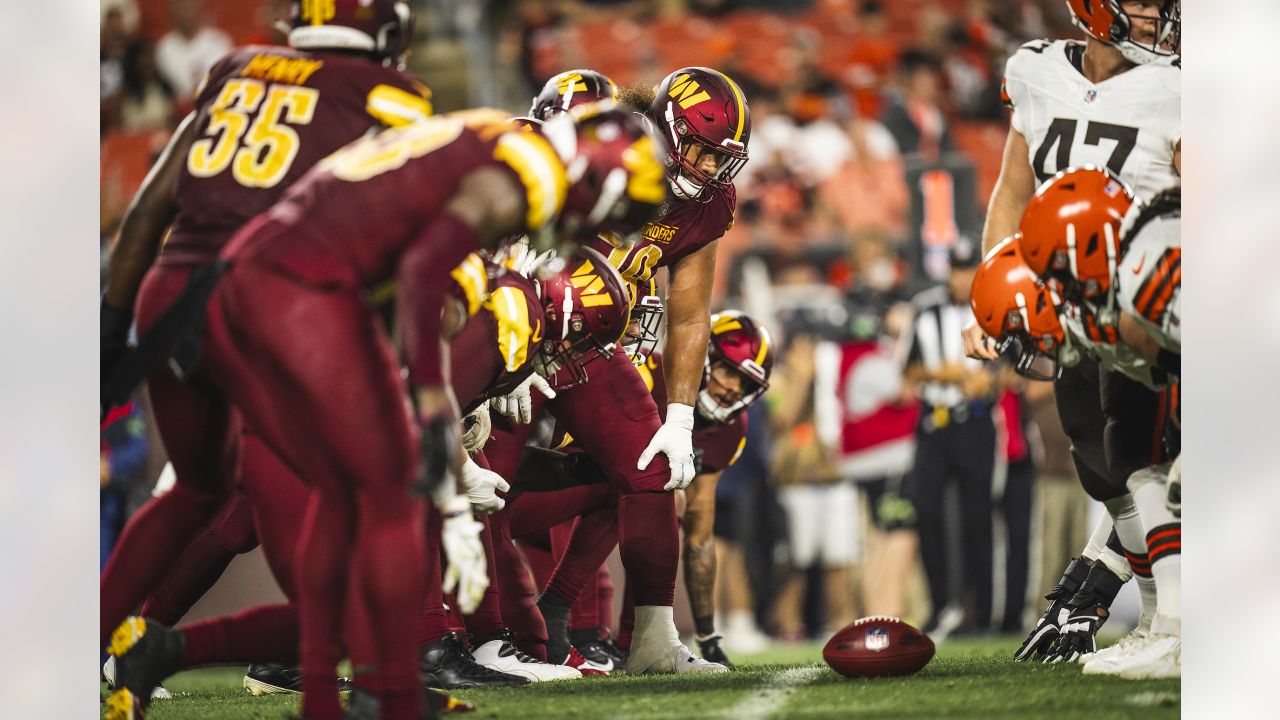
(878, 646)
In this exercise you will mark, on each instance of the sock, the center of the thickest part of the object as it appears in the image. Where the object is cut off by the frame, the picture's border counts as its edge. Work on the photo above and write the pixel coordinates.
(263, 634)
(650, 546)
(656, 625)
(604, 598)
(555, 611)
(1164, 545)
(486, 621)
(322, 565)
(705, 626)
(151, 541)
(1124, 513)
(627, 623)
(199, 566)
(589, 546)
(433, 620)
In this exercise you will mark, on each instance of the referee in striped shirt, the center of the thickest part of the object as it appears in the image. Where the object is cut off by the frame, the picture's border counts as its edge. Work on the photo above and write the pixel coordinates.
(955, 443)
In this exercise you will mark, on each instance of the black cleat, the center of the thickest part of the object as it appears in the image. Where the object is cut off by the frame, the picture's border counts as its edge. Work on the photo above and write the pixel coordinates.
(447, 665)
(146, 653)
(601, 653)
(277, 679)
(363, 706)
(711, 651)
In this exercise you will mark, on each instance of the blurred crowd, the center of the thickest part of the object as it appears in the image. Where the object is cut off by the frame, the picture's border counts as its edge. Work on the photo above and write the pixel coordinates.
(877, 132)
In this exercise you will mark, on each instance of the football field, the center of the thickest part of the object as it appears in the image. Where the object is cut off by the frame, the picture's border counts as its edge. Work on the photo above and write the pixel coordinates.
(967, 679)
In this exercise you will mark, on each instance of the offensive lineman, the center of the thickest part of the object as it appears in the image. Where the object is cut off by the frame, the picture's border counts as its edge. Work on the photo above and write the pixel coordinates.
(1113, 101)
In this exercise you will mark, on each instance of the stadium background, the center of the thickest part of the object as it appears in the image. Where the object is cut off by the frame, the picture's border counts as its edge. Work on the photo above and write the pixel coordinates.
(877, 138)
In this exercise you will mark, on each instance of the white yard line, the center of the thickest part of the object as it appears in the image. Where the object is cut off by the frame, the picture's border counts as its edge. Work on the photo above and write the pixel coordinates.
(774, 696)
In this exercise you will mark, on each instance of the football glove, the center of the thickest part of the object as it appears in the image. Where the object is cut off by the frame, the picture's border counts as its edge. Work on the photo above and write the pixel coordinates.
(465, 573)
(1042, 636)
(675, 440)
(518, 404)
(439, 448)
(478, 428)
(1078, 634)
(480, 485)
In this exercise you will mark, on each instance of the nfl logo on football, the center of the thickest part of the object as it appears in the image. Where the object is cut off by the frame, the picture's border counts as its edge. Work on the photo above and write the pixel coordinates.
(877, 639)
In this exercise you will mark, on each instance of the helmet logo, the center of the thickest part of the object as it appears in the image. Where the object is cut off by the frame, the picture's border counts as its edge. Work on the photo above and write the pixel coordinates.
(571, 81)
(318, 11)
(645, 173)
(686, 91)
(590, 286)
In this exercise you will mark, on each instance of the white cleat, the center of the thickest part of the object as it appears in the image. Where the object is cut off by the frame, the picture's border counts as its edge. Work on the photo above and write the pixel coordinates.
(1104, 661)
(656, 646)
(109, 674)
(499, 654)
(686, 662)
(1160, 659)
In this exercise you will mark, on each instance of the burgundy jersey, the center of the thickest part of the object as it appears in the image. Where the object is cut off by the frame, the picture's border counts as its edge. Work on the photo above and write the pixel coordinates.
(348, 221)
(716, 446)
(494, 352)
(684, 227)
(264, 117)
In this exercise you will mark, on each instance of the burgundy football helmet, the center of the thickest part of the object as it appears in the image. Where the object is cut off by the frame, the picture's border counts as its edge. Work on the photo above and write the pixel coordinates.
(614, 167)
(741, 345)
(383, 28)
(584, 301)
(570, 89)
(700, 111)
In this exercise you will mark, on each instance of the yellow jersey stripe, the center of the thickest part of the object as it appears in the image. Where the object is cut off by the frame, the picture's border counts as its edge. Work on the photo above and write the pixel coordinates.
(473, 280)
(737, 95)
(394, 107)
(511, 312)
(541, 172)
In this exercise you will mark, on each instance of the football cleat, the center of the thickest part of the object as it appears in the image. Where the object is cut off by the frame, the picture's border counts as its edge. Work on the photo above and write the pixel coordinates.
(364, 706)
(585, 667)
(1159, 658)
(145, 653)
(1101, 659)
(598, 652)
(109, 675)
(943, 623)
(1078, 634)
(711, 651)
(501, 655)
(447, 665)
(277, 678)
(670, 659)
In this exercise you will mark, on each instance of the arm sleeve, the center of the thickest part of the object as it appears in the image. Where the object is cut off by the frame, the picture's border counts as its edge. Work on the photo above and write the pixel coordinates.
(421, 283)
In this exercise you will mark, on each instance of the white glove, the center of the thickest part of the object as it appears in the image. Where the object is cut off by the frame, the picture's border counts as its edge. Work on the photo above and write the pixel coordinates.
(480, 485)
(478, 428)
(518, 404)
(464, 551)
(675, 440)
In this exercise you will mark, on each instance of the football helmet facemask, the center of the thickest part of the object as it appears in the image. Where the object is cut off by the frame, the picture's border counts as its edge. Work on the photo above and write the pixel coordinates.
(741, 346)
(1107, 21)
(703, 116)
(1070, 231)
(584, 302)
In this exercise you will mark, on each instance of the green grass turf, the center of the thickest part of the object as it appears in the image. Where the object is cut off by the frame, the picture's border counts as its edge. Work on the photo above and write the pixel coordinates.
(967, 679)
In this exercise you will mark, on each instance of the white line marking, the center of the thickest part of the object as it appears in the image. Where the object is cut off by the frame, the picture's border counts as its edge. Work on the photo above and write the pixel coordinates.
(775, 695)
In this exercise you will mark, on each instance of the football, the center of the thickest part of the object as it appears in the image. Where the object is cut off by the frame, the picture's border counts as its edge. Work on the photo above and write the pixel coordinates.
(878, 646)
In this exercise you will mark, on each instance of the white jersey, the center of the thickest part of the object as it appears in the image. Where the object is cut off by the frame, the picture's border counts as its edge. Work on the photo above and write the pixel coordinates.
(1110, 354)
(1130, 123)
(1149, 279)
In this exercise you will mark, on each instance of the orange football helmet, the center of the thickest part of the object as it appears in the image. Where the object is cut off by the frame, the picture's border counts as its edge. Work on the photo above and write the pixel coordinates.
(1070, 231)
(1013, 306)
(1107, 21)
